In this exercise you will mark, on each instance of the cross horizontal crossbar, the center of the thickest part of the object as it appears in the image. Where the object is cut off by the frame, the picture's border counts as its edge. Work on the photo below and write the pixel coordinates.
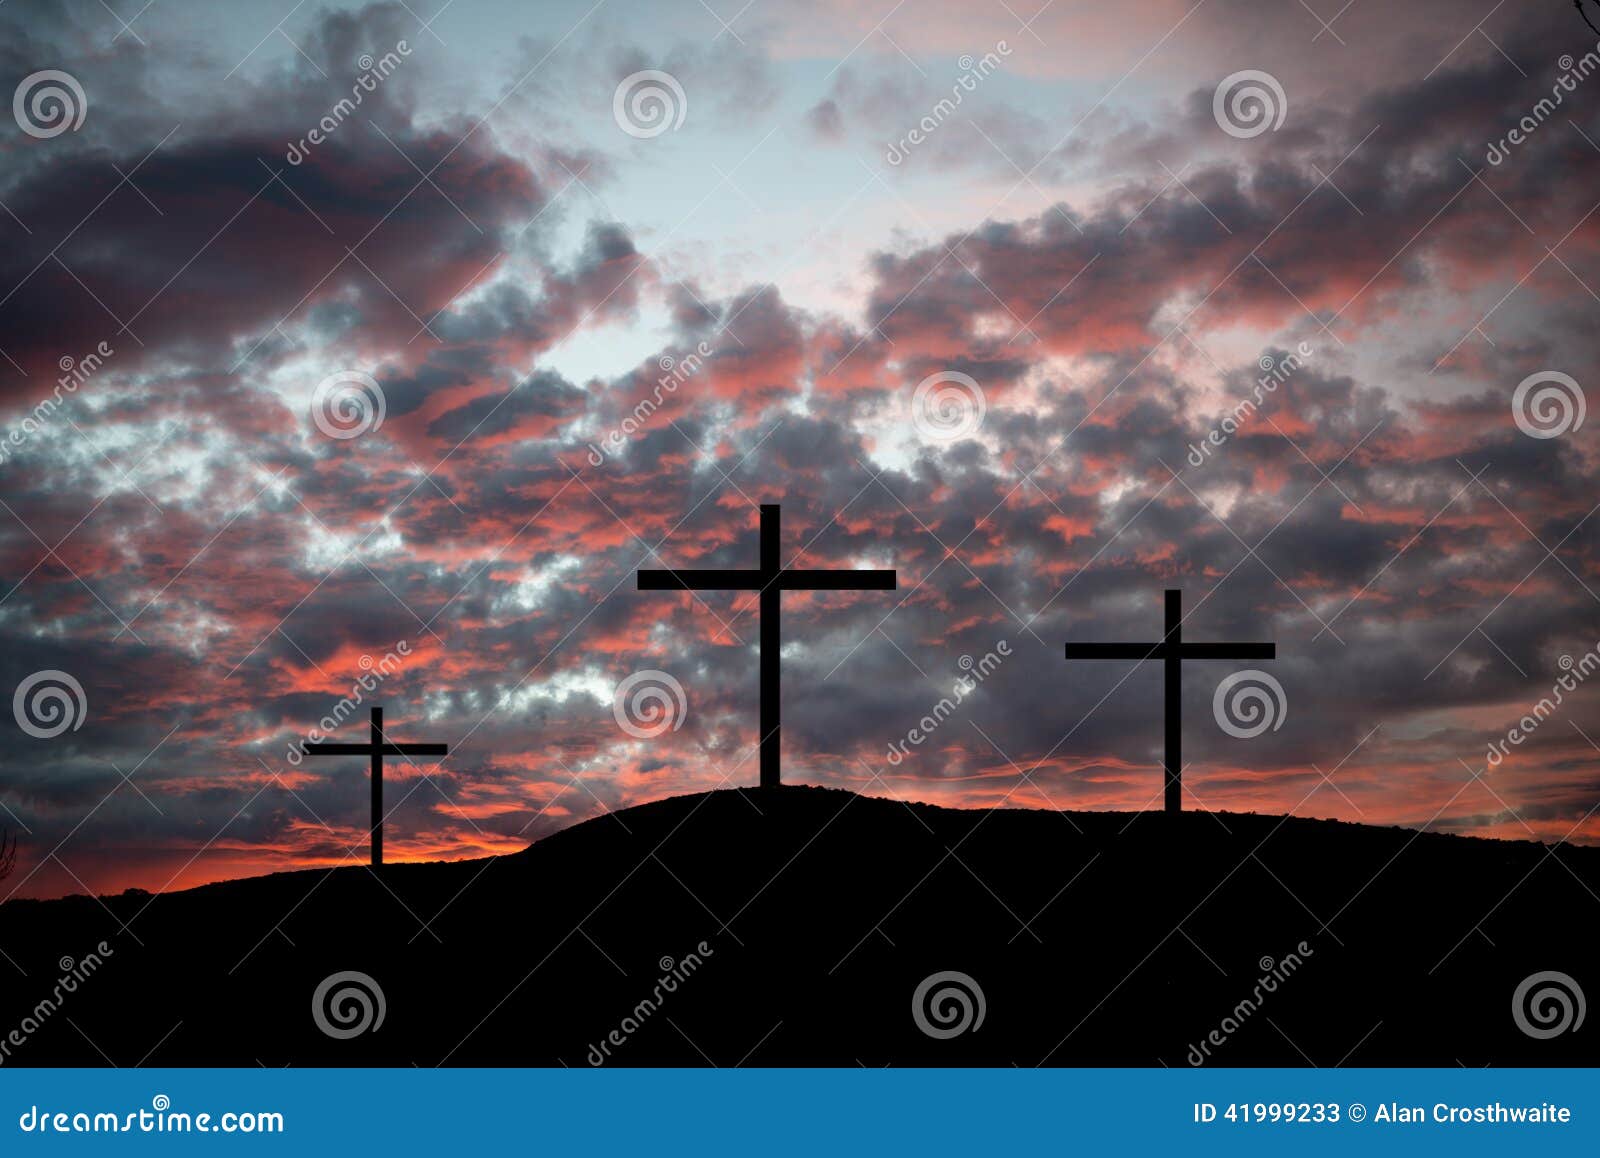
(1163, 649)
(716, 579)
(380, 749)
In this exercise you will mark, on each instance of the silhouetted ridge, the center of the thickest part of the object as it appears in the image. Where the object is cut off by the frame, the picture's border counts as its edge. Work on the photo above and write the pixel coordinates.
(796, 925)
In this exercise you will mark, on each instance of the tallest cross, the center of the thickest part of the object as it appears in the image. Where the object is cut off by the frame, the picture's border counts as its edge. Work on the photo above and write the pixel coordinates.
(1172, 651)
(771, 580)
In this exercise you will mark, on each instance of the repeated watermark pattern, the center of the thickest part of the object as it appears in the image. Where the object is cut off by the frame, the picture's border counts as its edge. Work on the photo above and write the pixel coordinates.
(348, 1004)
(373, 74)
(347, 404)
(49, 703)
(965, 685)
(649, 703)
(1273, 975)
(1248, 103)
(648, 103)
(673, 975)
(1548, 404)
(73, 975)
(973, 72)
(948, 406)
(1572, 72)
(1274, 373)
(48, 103)
(948, 1004)
(1576, 672)
(1248, 703)
(75, 372)
(674, 373)
(374, 672)
(1548, 1004)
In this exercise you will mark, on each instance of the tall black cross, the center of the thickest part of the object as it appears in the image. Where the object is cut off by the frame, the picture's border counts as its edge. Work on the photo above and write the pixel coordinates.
(771, 579)
(377, 748)
(1172, 651)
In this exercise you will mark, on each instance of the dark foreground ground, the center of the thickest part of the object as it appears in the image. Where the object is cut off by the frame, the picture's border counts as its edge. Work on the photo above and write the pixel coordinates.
(1095, 938)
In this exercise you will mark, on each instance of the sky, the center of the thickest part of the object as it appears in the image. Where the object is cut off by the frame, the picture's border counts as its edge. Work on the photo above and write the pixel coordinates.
(311, 403)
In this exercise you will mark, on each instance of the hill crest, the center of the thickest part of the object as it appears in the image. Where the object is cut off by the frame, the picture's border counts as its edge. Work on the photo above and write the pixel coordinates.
(816, 917)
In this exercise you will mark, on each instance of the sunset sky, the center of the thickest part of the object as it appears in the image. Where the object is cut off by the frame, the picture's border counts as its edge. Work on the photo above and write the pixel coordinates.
(1109, 253)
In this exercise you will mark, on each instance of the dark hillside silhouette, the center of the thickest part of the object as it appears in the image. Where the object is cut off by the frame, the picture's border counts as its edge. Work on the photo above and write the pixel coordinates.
(798, 925)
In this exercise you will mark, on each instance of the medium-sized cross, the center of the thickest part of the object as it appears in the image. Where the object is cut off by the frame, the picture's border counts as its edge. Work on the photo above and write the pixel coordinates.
(1172, 651)
(771, 579)
(377, 748)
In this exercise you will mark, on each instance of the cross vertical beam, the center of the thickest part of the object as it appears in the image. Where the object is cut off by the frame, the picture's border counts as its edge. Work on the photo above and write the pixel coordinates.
(1172, 651)
(771, 646)
(769, 580)
(1172, 674)
(375, 772)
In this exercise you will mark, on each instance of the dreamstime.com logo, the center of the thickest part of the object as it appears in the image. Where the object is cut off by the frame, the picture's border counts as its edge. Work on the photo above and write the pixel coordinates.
(948, 406)
(1548, 1004)
(49, 703)
(1548, 404)
(48, 103)
(348, 1004)
(160, 1118)
(1249, 702)
(649, 703)
(347, 404)
(648, 103)
(948, 1004)
(1248, 103)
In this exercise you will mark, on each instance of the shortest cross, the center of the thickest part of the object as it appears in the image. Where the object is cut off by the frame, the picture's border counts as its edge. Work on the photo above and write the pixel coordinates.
(377, 748)
(1172, 650)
